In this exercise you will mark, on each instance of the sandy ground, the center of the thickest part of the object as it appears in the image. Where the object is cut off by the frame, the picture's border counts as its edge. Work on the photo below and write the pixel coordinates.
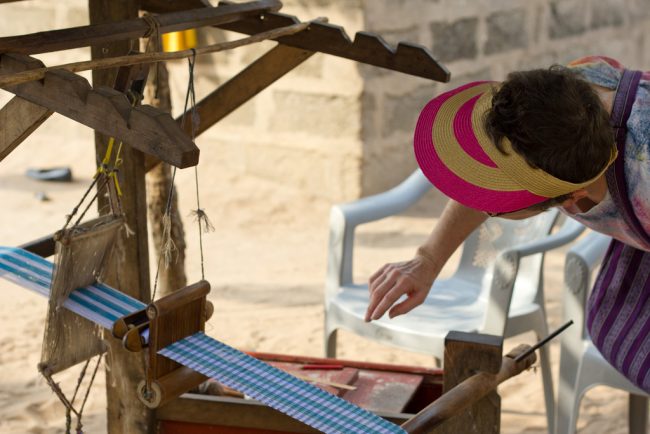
(266, 262)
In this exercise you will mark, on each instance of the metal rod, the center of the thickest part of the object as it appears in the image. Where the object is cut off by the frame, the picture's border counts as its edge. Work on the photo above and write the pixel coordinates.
(543, 341)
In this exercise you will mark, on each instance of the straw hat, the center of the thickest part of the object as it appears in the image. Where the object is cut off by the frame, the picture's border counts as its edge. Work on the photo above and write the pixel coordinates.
(456, 154)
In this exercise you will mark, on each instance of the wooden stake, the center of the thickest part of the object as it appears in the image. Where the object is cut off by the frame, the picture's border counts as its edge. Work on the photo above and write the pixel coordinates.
(324, 382)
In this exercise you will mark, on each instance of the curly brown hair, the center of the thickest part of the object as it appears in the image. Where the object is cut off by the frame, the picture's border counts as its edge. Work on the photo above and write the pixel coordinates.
(555, 120)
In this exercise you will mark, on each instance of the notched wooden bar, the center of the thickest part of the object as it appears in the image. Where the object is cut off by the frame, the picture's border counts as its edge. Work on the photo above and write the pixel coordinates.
(408, 58)
(105, 110)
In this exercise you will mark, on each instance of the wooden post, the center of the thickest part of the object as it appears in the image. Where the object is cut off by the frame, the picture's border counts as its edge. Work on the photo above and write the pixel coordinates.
(125, 412)
(457, 410)
(465, 355)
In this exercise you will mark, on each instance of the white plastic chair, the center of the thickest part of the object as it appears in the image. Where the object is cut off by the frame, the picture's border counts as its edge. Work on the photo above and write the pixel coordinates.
(497, 288)
(581, 364)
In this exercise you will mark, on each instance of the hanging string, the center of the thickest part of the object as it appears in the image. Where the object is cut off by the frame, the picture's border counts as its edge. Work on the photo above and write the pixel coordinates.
(167, 247)
(69, 404)
(76, 208)
(104, 183)
(199, 214)
(167, 244)
(83, 403)
(68, 418)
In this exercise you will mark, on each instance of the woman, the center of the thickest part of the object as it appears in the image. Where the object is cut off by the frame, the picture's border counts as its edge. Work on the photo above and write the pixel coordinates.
(577, 137)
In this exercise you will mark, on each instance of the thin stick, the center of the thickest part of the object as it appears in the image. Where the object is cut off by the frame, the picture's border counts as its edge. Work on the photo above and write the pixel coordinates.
(325, 382)
(112, 62)
(543, 341)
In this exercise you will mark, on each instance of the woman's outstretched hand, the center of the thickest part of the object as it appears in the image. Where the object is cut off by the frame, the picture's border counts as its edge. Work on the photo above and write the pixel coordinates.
(412, 278)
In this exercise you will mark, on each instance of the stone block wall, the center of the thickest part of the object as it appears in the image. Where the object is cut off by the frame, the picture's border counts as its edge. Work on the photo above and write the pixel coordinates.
(480, 40)
(337, 130)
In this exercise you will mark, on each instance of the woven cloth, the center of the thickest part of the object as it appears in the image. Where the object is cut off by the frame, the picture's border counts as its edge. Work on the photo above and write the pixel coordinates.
(274, 387)
(97, 302)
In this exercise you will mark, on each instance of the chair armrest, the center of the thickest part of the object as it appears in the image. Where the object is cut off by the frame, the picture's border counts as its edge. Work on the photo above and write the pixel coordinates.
(590, 250)
(580, 262)
(388, 203)
(569, 231)
(345, 218)
(506, 267)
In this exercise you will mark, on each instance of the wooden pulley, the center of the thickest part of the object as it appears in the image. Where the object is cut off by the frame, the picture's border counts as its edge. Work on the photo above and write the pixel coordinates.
(132, 329)
(163, 322)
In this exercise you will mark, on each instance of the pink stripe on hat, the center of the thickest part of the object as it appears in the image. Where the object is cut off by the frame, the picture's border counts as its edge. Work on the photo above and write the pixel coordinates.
(465, 134)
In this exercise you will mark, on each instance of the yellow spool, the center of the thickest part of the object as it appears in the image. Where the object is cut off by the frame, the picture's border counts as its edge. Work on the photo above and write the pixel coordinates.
(178, 41)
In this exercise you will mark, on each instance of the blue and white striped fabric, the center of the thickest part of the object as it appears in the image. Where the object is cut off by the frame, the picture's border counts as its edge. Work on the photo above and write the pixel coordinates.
(274, 387)
(98, 303)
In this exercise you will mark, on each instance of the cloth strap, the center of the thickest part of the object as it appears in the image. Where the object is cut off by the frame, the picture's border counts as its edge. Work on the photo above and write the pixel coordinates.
(615, 175)
(274, 387)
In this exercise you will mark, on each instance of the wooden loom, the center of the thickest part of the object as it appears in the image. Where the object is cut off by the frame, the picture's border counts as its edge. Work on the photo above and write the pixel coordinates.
(155, 137)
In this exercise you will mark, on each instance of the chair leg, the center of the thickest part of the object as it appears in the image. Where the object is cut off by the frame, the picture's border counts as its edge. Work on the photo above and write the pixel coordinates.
(638, 414)
(541, 331)
(330, 343)
(547, 381)
(568, 407)
(567, 401)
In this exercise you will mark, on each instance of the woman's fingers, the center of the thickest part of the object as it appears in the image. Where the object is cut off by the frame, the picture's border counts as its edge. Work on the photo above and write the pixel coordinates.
(379, 288)
(411, 302)
(411, 278)
(376, 275)
(400, 288)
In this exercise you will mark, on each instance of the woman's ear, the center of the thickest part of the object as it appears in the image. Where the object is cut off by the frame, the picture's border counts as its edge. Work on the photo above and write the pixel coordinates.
(574, 198)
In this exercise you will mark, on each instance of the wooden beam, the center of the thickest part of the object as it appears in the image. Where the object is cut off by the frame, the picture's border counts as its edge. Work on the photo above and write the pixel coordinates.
(412, 59)
(18, 119)
(130, 265)
(105, 110)
(367, 47)
(147, 58)
(103, 33)
(44, 247)
(163, 6)
(223, 413)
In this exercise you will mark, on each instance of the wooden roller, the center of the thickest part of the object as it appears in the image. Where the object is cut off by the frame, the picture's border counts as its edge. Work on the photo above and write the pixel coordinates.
(168, 320)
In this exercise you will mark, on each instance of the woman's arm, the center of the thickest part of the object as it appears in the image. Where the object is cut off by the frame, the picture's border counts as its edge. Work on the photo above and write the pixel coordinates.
(414, 278)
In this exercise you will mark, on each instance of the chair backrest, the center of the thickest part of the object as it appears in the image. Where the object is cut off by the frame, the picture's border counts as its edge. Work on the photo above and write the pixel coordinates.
(495, 235)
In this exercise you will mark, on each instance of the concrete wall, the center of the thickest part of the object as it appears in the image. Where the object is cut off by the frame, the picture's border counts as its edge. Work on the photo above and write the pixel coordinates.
(337, 130)
(479, 40)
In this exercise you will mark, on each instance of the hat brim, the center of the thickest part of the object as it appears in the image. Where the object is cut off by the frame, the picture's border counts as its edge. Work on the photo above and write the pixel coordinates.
(451, 152)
